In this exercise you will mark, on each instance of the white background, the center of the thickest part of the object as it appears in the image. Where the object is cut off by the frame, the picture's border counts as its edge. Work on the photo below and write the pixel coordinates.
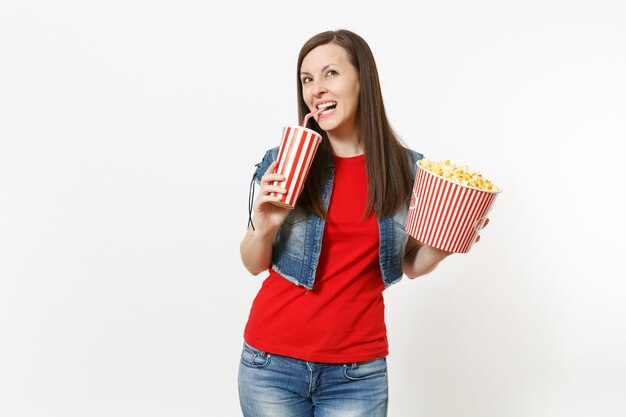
(128, 135)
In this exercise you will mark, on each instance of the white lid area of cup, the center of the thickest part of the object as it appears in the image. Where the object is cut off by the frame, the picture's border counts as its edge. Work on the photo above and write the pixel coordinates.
(305, 129)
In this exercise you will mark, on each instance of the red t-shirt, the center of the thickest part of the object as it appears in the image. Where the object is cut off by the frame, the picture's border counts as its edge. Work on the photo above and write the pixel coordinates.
(342, 318)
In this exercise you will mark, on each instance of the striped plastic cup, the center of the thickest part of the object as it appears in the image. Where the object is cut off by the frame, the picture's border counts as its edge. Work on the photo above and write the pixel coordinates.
(295, 155)
(445, 214)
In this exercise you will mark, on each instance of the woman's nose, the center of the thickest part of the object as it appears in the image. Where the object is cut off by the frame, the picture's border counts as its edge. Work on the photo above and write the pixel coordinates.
(319, 88)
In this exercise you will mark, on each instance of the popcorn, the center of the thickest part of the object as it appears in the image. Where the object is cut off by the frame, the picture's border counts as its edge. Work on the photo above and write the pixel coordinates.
(460, 174)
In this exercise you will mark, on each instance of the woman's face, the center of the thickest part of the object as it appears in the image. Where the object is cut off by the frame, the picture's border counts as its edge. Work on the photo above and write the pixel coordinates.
(329, 80)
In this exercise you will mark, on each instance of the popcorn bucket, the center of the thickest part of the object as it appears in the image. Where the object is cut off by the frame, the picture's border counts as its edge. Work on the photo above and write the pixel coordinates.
(445, 214)
(295, 155)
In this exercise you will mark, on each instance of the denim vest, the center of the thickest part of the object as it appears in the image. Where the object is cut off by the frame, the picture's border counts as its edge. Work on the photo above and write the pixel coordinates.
(298, 243)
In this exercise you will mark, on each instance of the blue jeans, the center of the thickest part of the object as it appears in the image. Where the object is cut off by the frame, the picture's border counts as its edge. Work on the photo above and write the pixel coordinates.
(280, 386)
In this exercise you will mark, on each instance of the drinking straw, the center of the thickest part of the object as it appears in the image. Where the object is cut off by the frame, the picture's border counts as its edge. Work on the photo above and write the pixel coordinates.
(308, 116)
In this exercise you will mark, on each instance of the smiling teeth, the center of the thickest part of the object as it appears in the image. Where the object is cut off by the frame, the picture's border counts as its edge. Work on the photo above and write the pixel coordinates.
(327, 104)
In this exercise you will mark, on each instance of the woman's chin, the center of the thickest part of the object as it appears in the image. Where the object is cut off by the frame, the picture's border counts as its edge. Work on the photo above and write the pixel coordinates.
(327, 125)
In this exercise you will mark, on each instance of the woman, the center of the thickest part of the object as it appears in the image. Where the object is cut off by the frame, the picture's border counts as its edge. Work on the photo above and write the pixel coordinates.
(319, 347)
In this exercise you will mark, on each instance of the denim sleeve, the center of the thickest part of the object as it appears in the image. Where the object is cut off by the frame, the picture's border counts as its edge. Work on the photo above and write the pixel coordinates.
(413, 158)
(261, 167)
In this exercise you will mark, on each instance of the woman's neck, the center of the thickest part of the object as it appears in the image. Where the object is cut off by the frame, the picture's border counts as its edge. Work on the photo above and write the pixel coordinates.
(346, 145)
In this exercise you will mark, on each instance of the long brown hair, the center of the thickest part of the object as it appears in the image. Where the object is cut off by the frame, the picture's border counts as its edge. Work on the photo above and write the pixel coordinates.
(388, 174)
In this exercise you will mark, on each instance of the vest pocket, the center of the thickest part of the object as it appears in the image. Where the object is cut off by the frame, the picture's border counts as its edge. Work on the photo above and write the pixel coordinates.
(297, 215)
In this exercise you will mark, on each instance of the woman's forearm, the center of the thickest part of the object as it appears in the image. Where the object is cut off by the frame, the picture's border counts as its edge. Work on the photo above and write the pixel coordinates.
(256, 251)
(422, 260)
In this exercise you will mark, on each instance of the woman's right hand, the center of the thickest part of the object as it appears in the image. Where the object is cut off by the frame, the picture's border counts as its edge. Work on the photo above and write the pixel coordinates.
(256, 246)
(269, 217)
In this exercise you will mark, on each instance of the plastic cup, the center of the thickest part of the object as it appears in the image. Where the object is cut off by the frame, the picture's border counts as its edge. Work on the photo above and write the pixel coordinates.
(445, 214)
(297, 149)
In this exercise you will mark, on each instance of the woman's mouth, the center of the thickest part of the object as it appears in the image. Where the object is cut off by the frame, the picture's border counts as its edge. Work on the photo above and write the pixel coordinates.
(329, 107)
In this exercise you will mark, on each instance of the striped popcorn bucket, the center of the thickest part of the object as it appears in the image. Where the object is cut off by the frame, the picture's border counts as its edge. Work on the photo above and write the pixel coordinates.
(295, 155)
(445, 214)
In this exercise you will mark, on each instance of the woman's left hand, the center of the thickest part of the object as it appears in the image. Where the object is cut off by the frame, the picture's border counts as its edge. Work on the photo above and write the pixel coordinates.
(483, 226)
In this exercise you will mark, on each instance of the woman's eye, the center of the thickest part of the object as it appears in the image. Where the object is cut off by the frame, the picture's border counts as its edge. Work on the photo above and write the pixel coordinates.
(306, 80)
(331, 72)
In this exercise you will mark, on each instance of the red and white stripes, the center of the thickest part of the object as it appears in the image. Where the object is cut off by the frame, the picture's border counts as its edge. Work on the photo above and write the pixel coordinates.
(446, 215)
(297, 149)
